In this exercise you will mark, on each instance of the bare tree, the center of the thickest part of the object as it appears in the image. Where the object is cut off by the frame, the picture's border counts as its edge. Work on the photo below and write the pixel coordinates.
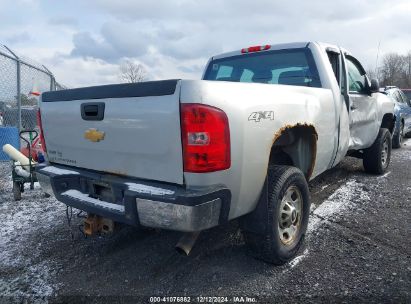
(395, 70)
(132, 72)
(372, 74)
(392, 69)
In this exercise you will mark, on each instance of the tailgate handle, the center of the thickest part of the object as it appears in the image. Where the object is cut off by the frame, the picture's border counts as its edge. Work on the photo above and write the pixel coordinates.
(92, 110)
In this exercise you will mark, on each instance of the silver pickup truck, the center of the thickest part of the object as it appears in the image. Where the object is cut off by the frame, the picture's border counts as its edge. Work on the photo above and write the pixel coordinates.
(188, 155)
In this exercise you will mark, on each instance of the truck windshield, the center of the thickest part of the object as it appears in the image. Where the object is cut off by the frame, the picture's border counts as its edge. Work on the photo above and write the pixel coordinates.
(289, 67)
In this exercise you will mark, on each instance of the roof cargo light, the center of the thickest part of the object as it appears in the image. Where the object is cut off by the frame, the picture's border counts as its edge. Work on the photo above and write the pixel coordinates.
(257, 48)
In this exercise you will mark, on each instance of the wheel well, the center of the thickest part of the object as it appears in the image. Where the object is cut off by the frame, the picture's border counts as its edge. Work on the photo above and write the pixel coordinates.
(388, 122)
(295, 145)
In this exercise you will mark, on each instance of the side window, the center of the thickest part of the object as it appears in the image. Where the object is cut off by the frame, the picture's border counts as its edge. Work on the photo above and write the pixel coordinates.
(356, 81)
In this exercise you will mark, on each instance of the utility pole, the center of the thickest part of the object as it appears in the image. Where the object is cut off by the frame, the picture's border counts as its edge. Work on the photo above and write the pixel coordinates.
(376, 60)
(18, 66)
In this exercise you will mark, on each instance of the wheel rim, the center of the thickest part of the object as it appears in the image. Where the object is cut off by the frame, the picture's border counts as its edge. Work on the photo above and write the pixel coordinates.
(289, 217)
(384, 153)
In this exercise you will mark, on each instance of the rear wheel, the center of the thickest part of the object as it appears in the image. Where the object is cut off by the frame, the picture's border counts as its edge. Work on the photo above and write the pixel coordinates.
(377, 157)
(398, 138)
(275, 230)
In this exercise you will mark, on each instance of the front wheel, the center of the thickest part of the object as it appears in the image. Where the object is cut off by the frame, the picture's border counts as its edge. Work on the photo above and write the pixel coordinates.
(377, 157)
(275, 230)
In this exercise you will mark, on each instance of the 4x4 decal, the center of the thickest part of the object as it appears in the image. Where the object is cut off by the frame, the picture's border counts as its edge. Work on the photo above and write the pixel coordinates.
(257, 116)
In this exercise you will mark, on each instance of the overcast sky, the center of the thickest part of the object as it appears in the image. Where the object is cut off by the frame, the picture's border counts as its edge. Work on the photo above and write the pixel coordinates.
(83, 42)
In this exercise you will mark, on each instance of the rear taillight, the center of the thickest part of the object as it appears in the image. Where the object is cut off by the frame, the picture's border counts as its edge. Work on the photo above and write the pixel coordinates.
(205, 137)
(43, 142)
(257, 48)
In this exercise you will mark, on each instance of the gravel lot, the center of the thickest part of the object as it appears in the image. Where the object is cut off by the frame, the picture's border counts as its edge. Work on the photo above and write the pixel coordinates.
(358, 249)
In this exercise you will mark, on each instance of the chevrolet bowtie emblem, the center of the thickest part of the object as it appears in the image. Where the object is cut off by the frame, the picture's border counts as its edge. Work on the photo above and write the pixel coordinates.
(94, 135)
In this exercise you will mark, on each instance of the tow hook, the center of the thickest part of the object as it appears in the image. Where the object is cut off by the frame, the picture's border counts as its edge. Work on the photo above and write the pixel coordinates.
(94, 224)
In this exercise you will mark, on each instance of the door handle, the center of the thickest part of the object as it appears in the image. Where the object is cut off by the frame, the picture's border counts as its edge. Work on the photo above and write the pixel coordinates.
(92, 110)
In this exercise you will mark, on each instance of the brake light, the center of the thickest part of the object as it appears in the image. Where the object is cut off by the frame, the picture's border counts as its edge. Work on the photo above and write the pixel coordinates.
(205, 137)
(43, 142)
(257, 48)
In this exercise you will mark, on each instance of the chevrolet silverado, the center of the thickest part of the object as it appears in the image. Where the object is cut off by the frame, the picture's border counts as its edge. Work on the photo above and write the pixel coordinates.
(243, 142)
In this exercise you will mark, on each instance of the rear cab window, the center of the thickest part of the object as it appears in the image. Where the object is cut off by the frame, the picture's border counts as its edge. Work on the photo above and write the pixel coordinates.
(288, 67)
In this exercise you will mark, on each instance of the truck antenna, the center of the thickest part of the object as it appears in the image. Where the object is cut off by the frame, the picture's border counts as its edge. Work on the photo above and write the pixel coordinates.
(376, 60)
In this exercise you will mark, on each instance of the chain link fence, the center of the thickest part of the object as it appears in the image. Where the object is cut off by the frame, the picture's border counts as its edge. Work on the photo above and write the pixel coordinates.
(21, 82)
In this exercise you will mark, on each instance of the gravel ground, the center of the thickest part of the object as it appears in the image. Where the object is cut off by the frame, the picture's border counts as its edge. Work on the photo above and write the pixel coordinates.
(357, 249)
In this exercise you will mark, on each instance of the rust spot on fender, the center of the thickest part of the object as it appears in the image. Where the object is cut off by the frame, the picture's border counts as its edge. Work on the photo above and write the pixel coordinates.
(298, 125)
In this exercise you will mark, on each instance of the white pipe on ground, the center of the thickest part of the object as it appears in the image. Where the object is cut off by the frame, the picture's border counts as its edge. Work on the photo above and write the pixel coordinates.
(16, 155)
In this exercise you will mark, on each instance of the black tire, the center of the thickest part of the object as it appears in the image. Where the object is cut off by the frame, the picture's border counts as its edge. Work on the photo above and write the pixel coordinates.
(16, 191)
(374, 156)
(398, 137)
(261, 228)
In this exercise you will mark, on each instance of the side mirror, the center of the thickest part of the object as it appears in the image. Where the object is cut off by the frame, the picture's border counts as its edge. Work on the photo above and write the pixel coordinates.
(375, 86)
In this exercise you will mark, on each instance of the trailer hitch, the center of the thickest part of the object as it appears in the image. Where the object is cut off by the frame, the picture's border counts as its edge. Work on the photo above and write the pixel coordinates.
(96, 224)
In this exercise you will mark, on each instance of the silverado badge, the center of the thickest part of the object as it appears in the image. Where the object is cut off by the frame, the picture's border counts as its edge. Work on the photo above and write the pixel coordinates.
(94, 135)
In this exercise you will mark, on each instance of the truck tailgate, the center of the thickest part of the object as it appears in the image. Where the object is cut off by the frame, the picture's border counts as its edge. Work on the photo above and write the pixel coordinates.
(125, 129)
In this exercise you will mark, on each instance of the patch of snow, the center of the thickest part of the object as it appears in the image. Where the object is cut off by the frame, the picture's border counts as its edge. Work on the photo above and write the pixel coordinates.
(323, 187)
(58, 171)
(84, 197)
(404, 154)
(385, 175)
(313, 224)
(25, 273)
(341, 199)
(148, 189)
(294, 262)
(338, 202)
(312, 207)
(407, 141)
